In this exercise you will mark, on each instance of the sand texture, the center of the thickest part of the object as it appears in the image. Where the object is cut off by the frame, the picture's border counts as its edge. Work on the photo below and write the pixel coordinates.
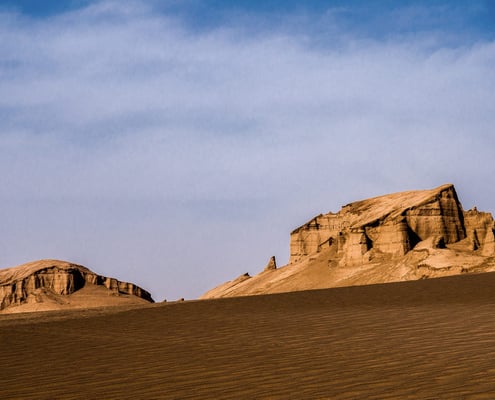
(427, 339)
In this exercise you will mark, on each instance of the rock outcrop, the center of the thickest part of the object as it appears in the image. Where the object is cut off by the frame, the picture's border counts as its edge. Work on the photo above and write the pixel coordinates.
(400, 236)
(272, 264)
(49, 284)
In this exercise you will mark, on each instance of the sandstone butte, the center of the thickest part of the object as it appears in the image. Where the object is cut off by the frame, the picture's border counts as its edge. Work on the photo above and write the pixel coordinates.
(59, 285)
(397, 237)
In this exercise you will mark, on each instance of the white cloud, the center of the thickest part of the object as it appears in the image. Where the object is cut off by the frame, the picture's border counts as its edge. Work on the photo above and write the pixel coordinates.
(179, 158)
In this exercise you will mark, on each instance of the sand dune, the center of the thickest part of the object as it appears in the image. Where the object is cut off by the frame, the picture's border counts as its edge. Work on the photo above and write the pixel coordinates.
(430, 339)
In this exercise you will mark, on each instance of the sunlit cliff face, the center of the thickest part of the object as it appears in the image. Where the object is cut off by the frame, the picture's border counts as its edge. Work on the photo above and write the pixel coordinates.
(402, 236)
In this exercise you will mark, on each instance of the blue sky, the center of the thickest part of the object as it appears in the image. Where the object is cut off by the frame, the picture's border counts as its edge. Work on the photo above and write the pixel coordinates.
(373, 19)
(176, 144)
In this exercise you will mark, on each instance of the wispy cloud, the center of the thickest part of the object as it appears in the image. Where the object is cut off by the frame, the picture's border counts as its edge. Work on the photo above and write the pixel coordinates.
(178, 158)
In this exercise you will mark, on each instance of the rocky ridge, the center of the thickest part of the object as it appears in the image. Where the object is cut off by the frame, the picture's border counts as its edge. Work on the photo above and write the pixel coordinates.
(53, 284)
(396, 237)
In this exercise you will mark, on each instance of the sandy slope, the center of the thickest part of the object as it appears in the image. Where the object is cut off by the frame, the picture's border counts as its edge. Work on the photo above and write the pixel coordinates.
(430, 339)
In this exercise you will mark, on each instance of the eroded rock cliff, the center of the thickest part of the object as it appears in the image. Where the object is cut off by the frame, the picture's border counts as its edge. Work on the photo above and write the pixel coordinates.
(51, 284)
(400, 236)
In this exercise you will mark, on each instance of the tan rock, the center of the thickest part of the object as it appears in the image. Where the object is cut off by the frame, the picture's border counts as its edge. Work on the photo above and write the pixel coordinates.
(393, 223)
(489, 243)
(54, 281)
(400, 236)
(479, 228)
(272, 264)
(433, 242)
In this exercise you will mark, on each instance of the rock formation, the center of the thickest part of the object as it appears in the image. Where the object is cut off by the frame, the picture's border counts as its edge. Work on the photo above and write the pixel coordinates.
(272, 264)
(53, 284)
(401, 236)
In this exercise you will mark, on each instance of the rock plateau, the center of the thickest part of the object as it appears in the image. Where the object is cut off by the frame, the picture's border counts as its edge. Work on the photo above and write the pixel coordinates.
(53, 285)
(397, 237)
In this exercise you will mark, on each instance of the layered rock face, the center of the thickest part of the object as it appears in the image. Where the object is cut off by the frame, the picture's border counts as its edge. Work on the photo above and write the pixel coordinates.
(48, 281)
(400, 236)
(391, 224)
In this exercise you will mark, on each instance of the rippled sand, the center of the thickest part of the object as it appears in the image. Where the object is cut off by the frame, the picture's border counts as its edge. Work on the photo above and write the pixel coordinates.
(431, 339)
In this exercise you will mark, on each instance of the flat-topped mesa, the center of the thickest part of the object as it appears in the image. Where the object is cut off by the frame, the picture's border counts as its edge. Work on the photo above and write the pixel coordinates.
(397, 237)
(31, 282)
(392, 224)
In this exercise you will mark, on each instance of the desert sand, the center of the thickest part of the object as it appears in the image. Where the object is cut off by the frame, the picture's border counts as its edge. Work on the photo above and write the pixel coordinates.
(426, 339)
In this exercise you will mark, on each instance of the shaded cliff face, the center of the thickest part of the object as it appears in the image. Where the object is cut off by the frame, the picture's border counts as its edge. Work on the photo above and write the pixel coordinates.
(400, 236)
(53, 284)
